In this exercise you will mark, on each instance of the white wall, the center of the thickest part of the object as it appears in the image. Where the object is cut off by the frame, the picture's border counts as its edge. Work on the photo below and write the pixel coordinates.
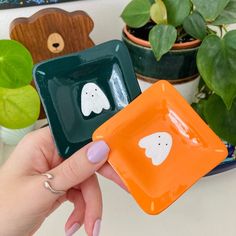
(105, 14)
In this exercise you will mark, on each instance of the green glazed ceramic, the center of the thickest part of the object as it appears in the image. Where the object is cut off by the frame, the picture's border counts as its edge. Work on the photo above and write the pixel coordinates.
(175, 66)
(81, 91)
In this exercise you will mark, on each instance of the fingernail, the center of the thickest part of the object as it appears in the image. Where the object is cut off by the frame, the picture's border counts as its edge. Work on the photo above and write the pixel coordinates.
(98, 152)
(75, 227)
(96, 228)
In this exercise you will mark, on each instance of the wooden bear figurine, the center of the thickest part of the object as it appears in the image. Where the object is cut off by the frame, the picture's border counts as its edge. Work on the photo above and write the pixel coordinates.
(53, 32)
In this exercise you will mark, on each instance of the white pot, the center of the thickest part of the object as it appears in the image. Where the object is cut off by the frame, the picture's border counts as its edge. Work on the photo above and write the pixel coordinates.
(187, 89)
(13, 136)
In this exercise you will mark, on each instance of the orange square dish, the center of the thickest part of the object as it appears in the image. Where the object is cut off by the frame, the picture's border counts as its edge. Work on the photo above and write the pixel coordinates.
(160, 146)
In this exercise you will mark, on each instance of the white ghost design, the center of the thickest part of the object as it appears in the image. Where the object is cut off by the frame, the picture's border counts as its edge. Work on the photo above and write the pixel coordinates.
(157, 145)
(93, 99)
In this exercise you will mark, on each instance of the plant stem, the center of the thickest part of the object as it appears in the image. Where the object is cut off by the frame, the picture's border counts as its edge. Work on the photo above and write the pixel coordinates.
(221, 31)
(225, 28)
(182, 35)
(210, 31)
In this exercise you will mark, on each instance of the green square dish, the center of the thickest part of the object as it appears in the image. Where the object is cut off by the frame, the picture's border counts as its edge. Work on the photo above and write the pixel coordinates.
(81, 91)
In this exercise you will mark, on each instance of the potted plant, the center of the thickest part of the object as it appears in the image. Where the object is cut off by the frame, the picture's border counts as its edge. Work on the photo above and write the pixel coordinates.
(167, 22)
(19, 101)
(163, 37)
(218, 111)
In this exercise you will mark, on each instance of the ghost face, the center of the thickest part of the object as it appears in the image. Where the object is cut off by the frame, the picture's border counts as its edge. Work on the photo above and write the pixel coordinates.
(93, 100)
(157, 146)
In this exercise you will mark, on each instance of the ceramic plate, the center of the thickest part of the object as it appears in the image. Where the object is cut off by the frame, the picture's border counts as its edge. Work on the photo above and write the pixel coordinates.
(160, 147)
(229, 163)
(82, 90)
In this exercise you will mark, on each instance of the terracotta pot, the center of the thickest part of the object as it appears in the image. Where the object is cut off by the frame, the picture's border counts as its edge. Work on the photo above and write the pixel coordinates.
(176, 46)
(177, 66)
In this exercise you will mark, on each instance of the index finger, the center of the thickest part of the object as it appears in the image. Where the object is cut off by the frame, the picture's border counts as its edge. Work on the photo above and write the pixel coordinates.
(108, 172)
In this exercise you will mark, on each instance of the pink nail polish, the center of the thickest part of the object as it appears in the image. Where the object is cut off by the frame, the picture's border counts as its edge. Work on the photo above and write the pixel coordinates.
(96, 227)
(98, 152)
(75, 227)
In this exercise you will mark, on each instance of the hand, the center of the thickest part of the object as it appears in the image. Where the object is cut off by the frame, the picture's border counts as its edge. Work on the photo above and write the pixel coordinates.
(25, 202)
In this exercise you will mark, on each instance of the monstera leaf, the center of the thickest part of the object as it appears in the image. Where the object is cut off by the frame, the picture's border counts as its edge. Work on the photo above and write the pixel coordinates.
(15, 64)
(162, 38)
(137, 13)
(216, 63)
(19, 107)
(210, 9)
(177, 10)
(220, 119)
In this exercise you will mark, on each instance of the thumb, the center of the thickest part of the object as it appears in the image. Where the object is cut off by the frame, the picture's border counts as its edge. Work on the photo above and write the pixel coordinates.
(80, 166)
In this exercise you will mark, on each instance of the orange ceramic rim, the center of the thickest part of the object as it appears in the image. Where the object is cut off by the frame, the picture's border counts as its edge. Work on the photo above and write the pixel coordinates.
(160, 147)
(176, 46)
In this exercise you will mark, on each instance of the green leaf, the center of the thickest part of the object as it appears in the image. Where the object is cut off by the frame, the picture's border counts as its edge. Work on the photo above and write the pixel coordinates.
(210, 9)
(221, 120)
(195, 25)
(162, 38)
(15, 64)
(137, 13)
(216, 63)
(19, 107)
(177, 10)
(152, 1)
(228, 15)
(204, 91)
(158, 12)
(199, 108)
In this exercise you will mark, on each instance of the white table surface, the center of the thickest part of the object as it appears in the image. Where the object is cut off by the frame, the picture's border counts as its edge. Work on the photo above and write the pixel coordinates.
(206, 209)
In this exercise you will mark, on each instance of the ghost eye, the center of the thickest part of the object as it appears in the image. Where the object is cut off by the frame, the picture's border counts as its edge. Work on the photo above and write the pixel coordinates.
(95, 89)
(159, 144)
(86, 93)
(166, 144)
(92, 95)
(159, 136)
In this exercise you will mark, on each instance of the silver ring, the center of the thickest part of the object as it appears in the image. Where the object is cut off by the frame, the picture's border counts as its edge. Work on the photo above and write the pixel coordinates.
(48, 186)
